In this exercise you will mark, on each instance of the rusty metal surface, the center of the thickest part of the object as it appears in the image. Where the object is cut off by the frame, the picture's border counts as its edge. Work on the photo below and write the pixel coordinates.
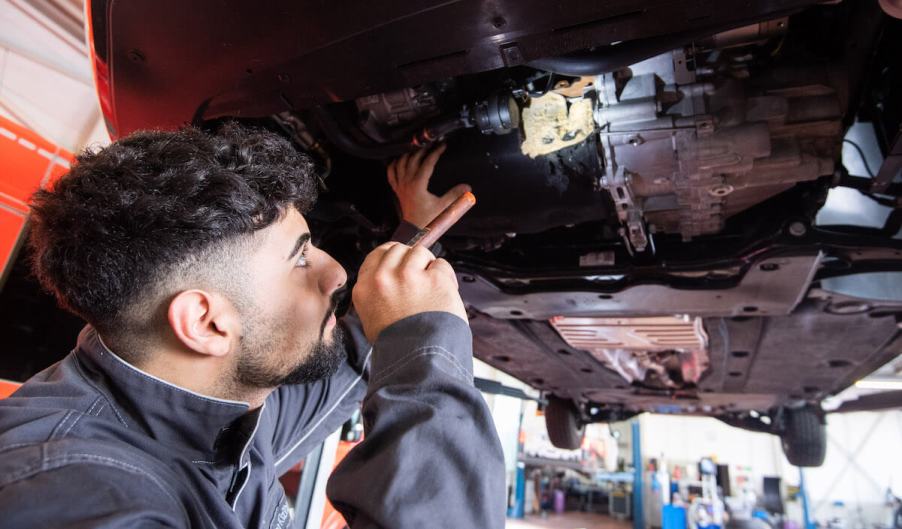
(549, 124)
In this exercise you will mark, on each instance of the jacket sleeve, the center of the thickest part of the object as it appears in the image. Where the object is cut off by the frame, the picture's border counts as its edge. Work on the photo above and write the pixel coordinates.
(305, 414)
(430, 456)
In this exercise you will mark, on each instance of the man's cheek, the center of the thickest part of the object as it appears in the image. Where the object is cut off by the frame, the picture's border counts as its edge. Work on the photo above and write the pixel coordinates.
(330, 335)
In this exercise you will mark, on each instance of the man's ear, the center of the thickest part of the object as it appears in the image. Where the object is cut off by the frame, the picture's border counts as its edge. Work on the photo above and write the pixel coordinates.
(207, 323)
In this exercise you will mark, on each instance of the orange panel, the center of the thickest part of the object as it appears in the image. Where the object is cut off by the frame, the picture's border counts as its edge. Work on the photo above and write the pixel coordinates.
(11, 224)
(7, 388)
(27, 162)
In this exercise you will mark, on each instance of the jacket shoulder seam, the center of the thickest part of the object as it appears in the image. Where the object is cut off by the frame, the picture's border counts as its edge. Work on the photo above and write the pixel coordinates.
(72, 418)
(99, 391)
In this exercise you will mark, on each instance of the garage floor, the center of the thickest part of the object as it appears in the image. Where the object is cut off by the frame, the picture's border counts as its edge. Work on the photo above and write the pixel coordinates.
(569, 520)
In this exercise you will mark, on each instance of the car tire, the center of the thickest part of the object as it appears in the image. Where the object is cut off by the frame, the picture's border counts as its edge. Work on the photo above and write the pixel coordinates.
(562, 420)
(804, 437)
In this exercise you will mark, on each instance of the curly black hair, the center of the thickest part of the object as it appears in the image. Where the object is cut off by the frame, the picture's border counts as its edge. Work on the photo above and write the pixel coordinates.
(110, 234)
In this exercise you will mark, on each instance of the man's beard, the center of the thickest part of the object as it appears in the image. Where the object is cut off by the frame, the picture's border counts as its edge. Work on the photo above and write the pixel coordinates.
(320, 360)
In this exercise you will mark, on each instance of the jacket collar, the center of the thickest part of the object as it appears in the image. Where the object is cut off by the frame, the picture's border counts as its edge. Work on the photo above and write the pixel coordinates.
(208, 427)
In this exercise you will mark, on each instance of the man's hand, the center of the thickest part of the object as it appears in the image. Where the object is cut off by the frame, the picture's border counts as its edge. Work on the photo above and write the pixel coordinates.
(397, 281)
(409, 178)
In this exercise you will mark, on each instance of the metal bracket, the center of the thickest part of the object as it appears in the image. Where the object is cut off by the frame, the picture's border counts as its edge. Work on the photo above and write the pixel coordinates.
(628, 212)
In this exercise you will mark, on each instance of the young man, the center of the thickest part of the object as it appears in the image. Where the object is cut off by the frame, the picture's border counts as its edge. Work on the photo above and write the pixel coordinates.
(213, 361)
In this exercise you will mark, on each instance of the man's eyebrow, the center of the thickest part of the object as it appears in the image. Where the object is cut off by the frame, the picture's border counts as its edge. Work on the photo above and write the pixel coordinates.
(302, 240)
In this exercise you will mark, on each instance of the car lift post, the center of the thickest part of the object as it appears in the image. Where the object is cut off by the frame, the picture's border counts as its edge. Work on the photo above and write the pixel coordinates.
(638, 512)
(518, 507)
(803, 492)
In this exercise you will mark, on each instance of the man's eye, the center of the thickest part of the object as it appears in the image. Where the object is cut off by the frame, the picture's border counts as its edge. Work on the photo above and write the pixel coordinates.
(302, 259)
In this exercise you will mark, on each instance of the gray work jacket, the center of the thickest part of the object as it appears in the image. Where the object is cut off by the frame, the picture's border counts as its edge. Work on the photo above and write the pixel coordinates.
(94, 442)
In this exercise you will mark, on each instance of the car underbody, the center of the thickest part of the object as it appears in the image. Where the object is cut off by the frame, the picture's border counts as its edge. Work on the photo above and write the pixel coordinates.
(647, 237)
(649, 177)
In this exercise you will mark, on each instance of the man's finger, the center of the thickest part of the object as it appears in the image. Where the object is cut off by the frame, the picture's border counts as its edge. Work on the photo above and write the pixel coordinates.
(392, 175)
(428, 165)
(401, 165)
(373, 258)
(391, 259)
(443, 267)
(418, 258)
(414, 161)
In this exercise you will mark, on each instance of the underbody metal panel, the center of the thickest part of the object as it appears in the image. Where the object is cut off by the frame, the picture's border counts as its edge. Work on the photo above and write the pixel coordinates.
(756, 362)
(644, 334)
(824, 352)
(772, 287)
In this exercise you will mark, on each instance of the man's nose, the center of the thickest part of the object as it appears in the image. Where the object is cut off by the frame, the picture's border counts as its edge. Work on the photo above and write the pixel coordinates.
(333, 275)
